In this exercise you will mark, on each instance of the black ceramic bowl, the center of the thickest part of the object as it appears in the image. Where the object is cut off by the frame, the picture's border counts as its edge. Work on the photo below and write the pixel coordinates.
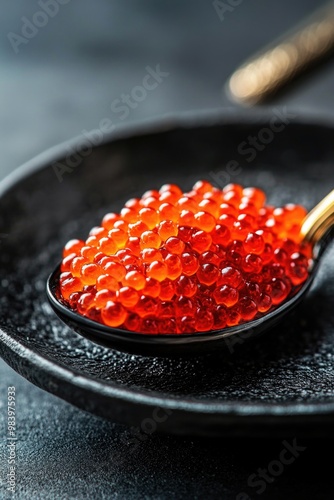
(281, 382)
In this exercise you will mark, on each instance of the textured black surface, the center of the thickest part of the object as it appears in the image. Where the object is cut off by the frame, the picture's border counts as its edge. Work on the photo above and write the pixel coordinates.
(277, 383)
(63, 81)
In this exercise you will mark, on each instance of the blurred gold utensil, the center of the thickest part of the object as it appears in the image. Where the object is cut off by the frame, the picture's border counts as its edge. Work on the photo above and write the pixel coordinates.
(267, 72)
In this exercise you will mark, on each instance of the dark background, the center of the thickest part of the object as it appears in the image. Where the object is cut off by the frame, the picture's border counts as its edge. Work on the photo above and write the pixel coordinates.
(63, 81)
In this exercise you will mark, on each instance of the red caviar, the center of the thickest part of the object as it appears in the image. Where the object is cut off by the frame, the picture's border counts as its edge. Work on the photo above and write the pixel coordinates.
(174, 262)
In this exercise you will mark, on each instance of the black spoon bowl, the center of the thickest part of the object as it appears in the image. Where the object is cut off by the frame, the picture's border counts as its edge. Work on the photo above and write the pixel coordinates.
(318, 225)
(167, 344)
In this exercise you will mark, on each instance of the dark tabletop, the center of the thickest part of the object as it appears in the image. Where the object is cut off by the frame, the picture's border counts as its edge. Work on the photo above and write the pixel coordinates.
(63, 80)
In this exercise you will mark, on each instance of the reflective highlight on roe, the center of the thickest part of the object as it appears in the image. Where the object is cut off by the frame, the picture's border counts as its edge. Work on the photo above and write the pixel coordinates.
(174, 262)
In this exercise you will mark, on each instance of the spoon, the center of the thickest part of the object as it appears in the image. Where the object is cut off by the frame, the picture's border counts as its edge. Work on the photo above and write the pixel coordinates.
(283, 61)
(317, 229)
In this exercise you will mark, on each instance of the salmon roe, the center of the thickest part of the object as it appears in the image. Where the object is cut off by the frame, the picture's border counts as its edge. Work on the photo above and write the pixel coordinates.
(176, 262)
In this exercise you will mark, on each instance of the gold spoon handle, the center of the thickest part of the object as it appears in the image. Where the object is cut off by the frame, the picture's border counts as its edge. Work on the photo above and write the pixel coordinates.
(318, 222)
(266, 73)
